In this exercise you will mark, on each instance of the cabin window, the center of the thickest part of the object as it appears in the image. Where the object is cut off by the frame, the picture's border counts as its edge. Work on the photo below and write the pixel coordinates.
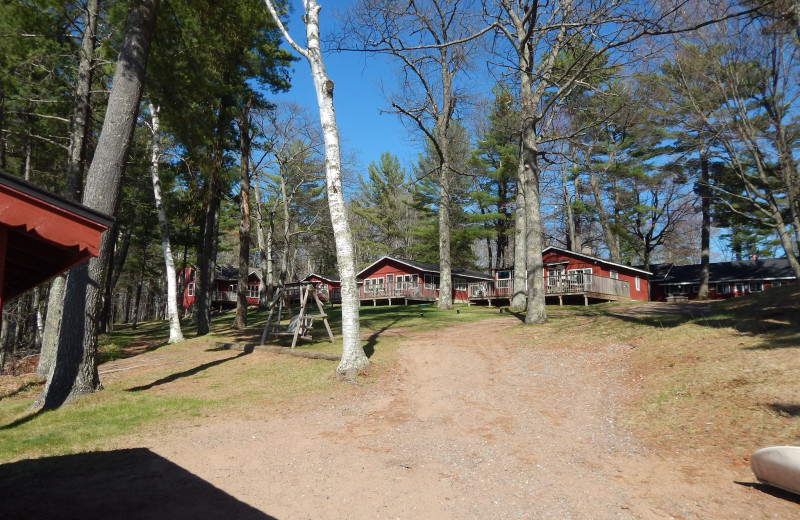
(503, 275)
(459, 284)
(429, 281)
(580, 277)
(232, 288)
(724, 288)
(389, 279)
(554, 275)
(695, 289)
(738, 288)
(638, 283)
(614, 275)
(756, 286)
(252, 290)
(190, 289)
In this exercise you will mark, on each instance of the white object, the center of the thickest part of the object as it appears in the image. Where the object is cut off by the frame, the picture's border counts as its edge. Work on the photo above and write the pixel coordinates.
(778, 466)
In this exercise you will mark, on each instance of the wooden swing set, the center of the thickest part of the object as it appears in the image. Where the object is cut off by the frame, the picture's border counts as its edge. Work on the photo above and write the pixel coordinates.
(300, 325)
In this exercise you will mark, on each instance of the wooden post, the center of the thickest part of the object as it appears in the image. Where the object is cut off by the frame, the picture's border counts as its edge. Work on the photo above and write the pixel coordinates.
(301, 317)
(275, 299)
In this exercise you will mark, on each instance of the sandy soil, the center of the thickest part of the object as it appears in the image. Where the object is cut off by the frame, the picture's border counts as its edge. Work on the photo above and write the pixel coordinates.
(468, 428)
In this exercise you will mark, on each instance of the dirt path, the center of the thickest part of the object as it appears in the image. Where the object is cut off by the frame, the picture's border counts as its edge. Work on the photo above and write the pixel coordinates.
(465, 428)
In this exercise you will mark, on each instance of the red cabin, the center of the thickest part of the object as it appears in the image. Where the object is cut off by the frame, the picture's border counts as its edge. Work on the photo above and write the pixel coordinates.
(329, 288)
(226, 278)
(576, 276)
(725, 279)
(395, 280)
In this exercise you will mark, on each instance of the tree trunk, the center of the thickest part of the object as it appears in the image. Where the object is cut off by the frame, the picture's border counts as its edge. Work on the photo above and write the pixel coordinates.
(73, 178)
(445, 267)
(55, 308)
(573, 243)
(204, 276)
(136, 301)
(175, 333)
(535, 308)
(610, 237)
(244, 221)
(529, 178)
(353, 358)
(520, 251)
(75, 369)
(263, 288)
(705, 232)
(80, 118)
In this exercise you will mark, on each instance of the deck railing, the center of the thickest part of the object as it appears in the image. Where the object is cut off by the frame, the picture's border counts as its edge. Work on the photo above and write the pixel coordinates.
(578, 282)
(231, 296)
(571, 283)
(223, 296)
(409, 290)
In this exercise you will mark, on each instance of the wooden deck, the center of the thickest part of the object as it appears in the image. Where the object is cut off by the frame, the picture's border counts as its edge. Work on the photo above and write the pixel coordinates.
(573, 288)
(398, 293)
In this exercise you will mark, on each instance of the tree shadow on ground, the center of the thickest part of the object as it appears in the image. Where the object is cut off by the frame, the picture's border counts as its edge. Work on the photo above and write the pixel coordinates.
(22, 420)
(186, 373)
(372, 340)
(520, 315)
(772, 491)
(784, 409)
(131, 484)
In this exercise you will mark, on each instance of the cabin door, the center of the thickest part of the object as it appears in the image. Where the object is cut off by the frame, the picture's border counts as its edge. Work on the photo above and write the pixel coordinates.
(555, 278)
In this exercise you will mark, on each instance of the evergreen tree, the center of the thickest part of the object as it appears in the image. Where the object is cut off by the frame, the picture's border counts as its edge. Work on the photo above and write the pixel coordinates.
(384, 204)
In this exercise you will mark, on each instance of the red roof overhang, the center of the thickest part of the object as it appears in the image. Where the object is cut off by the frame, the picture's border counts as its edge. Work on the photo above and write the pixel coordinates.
(43, 235)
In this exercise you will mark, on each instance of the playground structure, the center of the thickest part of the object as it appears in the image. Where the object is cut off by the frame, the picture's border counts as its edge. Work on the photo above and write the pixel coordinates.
(301, 324)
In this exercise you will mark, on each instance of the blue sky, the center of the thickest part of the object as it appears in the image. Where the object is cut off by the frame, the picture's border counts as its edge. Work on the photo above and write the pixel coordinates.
(364, 131)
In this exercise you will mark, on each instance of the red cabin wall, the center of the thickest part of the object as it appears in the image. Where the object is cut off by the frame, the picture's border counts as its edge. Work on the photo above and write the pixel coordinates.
(218, 285)
(390, 267)
(188, 287)
(602, 269)
(396, 268)
(713, 291)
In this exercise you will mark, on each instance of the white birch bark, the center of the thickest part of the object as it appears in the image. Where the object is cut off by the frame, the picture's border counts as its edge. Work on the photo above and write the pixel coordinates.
(175, 333)
(354, 360)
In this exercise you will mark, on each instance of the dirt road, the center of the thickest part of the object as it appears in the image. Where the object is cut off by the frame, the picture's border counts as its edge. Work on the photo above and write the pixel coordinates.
(470, 425)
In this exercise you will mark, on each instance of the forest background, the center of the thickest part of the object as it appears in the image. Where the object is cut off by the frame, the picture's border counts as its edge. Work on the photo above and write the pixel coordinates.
(641, 143)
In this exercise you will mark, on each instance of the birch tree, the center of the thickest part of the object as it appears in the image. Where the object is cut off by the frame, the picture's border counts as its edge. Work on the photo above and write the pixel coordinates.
(175, 333)
(354, 360)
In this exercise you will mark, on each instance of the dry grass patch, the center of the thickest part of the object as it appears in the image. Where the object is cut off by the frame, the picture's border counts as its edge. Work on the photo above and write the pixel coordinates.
(727, 381)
